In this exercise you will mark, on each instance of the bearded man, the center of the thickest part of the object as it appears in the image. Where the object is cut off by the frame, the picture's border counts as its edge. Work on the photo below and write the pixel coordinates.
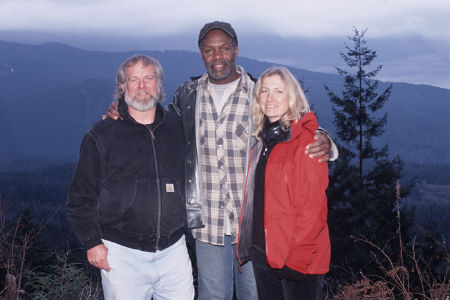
(126, 202)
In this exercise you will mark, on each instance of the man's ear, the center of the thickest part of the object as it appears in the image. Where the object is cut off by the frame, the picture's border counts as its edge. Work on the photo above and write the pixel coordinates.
(236, 51)
(122, 87)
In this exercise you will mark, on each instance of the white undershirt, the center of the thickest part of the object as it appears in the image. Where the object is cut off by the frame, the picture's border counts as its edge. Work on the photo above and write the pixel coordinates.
(220, 94)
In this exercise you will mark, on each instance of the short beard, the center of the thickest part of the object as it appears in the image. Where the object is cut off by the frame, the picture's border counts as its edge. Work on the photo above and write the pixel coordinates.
(140, 106)
(223, 76)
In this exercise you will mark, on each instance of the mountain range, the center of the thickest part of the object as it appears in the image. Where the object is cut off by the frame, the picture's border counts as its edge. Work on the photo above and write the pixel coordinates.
(53, 93)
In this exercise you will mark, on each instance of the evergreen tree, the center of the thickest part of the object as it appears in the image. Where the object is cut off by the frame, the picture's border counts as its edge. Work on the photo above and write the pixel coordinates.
(362, 190)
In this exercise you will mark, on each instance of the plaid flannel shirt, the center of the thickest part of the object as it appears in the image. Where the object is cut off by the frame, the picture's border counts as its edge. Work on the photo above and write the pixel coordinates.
(222, 143)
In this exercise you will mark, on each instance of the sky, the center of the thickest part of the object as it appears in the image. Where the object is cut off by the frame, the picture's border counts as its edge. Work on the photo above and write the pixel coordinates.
(102, 24)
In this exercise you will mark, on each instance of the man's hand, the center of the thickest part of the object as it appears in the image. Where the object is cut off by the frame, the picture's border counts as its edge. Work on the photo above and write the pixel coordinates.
(320, 148)
(112, 112)
(97, 257)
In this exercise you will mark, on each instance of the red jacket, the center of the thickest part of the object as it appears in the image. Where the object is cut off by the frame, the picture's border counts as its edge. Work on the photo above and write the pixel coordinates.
(295, 204)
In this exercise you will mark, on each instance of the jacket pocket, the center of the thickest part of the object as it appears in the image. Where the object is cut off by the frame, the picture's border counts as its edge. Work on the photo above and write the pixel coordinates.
(130, 206)
(140, 209)
(240, 139)
(173, 206)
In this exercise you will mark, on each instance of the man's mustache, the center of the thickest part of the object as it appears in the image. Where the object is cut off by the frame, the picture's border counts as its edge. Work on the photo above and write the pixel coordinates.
(218, 62)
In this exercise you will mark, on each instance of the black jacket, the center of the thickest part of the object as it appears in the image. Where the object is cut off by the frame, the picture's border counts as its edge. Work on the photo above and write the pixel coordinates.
(184, 101)
(128, 185)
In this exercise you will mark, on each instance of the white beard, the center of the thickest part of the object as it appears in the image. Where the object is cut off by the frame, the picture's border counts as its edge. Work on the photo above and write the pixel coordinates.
(138, 105)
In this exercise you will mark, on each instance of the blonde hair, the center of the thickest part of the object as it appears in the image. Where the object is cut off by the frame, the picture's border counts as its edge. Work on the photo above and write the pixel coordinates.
(298, 104)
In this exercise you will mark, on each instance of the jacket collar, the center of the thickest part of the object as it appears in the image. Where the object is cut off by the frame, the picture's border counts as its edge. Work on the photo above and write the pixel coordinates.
(160, 115)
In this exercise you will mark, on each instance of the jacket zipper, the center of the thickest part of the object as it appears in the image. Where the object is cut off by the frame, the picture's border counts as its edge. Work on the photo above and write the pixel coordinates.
(265, 194)
(158, 188)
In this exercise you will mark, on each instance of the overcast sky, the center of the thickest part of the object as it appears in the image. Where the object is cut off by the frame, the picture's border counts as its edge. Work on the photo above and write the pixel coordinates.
(427, 20)
(285, 17)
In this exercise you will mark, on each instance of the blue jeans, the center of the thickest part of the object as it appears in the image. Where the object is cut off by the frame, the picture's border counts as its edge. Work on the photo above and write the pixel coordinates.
(134, 274)
(217, 271)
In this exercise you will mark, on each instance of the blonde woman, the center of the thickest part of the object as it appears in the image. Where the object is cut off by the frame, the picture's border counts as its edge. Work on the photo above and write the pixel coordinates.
(283, 224)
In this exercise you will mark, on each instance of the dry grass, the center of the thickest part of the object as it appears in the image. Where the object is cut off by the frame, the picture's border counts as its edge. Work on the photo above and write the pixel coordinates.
(59, 281)
(409, 276)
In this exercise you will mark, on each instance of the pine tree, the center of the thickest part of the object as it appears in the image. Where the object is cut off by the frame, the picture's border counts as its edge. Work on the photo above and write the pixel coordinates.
(363, 179)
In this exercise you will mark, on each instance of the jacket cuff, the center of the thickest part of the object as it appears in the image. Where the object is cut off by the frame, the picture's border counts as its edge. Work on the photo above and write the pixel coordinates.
(334, 152)
(92, 243)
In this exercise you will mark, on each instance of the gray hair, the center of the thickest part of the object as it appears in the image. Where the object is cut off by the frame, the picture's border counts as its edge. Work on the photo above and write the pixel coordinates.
(146, 61)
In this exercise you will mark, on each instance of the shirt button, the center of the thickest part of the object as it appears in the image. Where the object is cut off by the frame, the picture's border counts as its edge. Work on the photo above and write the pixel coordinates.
(188, 107)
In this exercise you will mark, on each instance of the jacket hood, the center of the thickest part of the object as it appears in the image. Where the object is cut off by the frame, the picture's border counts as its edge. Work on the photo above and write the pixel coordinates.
(307, 123)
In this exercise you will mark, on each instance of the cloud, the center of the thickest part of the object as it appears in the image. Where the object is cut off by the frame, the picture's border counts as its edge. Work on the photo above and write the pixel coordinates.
(174, 24)
(284, 17)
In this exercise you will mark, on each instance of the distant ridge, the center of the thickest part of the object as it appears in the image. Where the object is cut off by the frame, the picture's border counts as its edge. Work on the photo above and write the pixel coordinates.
(52, 93)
